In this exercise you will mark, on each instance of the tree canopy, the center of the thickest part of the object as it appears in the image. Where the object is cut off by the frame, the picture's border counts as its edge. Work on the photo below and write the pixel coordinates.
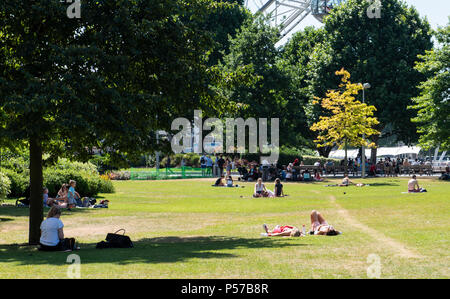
(433, 104)
(69, 85)
(380, 51)
(350, 122)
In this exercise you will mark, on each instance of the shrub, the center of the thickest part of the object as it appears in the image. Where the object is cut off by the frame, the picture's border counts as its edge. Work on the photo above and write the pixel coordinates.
(106, 185)
(5, 184)
(19, 182)
(88, 183)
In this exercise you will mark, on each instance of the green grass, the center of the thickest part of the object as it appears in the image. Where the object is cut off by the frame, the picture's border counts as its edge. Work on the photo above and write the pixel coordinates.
(188, 229)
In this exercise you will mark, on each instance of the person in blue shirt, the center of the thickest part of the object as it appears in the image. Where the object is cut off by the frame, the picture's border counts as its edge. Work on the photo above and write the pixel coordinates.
(74, 197)
(209, 165)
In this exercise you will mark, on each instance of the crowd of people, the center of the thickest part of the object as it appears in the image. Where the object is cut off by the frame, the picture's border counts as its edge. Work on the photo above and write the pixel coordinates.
(52, 234)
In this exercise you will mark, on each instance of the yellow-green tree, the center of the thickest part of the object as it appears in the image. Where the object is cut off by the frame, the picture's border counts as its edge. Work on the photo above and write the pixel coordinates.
(349, 121)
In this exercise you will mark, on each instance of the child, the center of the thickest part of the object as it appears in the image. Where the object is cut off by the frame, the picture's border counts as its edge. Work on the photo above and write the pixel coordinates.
(49, 202)
(73, 196)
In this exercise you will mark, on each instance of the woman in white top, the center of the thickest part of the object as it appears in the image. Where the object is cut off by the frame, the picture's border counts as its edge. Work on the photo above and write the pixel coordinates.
(260, 189)
(52, 234)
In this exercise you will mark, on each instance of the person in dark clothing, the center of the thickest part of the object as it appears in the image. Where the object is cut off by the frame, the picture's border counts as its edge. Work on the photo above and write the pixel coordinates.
(220, 164)
(278, 188)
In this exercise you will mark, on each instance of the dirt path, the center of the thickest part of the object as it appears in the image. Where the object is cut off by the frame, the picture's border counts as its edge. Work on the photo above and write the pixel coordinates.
(397, 247)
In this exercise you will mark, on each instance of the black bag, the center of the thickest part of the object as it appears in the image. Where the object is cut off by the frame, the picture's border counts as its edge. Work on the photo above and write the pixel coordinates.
(116, 240)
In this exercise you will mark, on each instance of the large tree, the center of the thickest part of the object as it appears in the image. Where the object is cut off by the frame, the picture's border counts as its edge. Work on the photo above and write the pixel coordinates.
(274, 95)
(381, 51)
(69, 85)
(350, 121)
(295, 59)
(433, 104)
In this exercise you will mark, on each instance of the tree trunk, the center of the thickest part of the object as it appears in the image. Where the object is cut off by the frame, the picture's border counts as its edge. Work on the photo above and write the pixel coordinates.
(373, 152)
(36, 185)
(324, 151)
(346, 159)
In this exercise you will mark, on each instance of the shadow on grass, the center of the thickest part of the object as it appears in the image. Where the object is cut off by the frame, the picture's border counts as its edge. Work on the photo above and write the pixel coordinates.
(13, 211)
(6, 219)
(383, 184)
(149, 250)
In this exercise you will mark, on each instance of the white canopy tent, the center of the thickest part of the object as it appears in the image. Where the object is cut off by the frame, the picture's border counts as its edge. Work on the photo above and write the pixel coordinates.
(402, 151)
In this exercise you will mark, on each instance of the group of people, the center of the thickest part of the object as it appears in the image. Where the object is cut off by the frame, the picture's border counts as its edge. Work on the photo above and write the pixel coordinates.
(67, 197)
(319, 226)
(207, 165)
(260, 189)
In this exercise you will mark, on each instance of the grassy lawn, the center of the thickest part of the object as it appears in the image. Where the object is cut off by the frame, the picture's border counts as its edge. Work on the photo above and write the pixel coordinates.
(188, 229)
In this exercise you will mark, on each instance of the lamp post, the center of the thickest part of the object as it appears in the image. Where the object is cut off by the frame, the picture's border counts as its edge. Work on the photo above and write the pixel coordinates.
(363, 152)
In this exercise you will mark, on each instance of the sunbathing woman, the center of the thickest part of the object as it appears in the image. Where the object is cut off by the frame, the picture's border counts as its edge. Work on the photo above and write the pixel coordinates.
(346, 182)
(282, 231)
(319, 226)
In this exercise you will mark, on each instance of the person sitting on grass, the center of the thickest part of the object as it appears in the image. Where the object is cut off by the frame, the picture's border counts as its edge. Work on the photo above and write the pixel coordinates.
(49, 202)
(260, 189)
(317, 176)
(446, 175)
(219, 182)
(230, 181)
(319, 226)
(63, 193)
(52, 234)
(74, 198)
(413, 185)
(278, 188)
(282, 231)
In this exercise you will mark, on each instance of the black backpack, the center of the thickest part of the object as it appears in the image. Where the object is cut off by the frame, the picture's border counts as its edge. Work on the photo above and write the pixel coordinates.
(115, 240)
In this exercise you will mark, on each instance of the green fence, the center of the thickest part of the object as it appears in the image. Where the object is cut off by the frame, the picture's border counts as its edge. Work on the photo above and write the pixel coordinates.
(169, 173)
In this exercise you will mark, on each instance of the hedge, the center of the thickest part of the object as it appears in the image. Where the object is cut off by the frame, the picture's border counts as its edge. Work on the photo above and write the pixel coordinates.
(5, 184)
(89, 182)
(19, 182)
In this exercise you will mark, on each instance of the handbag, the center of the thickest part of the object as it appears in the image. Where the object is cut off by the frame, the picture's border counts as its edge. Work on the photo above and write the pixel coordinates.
(115, 240)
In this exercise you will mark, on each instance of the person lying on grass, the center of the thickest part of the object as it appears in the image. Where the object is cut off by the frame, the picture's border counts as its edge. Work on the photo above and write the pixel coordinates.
(282, 231)
(319, 226)
(52, 234)
(346, 182)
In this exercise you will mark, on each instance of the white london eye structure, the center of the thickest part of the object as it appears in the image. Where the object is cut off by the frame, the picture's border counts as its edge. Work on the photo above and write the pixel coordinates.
(287, 14)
